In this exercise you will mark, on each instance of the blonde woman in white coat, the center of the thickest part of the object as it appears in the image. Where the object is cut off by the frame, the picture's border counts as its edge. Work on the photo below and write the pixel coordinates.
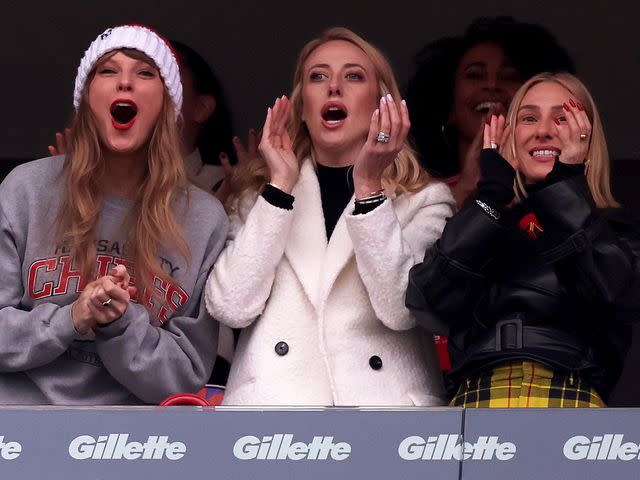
(316, 265)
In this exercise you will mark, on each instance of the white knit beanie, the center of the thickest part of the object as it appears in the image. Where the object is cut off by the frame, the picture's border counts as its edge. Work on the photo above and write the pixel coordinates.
(138, 37)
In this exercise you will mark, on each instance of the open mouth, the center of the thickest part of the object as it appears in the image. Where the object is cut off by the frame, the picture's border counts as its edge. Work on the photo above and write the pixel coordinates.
(333, 114)
(123, 114)
(544, 154)
(486, 107)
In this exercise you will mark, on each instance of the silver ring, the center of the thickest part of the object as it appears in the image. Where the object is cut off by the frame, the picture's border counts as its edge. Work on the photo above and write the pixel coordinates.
(106, 303)
(583, 137)
(494, 145)
(383, 137)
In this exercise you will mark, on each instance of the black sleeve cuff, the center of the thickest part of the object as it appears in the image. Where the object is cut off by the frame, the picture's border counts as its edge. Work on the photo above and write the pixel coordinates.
(277, 197)
(496, 179)
(559, 172)
(361, 209)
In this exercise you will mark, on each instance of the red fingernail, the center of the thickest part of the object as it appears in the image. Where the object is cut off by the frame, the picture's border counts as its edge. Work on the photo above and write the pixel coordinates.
(580, 107)
(557, 121)
(566, 107)
(573, 104)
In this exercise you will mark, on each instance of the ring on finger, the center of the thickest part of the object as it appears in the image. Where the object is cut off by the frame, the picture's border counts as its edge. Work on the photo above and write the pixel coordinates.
(106, 302)
(383, 137)
(583, 137)
(494, 145)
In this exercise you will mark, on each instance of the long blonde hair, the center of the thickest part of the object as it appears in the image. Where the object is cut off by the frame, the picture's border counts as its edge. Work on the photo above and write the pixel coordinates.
(403, 175)
(150, 221)
(597, 161)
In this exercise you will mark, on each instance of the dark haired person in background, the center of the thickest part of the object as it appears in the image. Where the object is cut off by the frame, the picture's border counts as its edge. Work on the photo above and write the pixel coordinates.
(207, 141)
(207, 126)
(460, 81)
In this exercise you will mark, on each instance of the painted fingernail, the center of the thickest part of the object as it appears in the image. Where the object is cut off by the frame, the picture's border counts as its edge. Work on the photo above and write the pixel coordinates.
(566, 107)
(376, 112)
(573, 104)
(389, 97)
(383, 100)
(236, 140)
(223, 156)
(557, 121)
(580, 107)
(404, 102)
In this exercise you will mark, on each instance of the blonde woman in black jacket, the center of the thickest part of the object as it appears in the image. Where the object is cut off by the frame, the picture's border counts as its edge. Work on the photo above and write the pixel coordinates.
(531, 282)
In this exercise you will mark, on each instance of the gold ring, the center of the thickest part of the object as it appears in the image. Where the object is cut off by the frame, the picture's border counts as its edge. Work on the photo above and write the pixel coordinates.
(106, 303)
(583, 137)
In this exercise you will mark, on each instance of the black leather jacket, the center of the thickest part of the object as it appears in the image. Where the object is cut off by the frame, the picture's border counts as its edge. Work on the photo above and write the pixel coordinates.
(565, 298)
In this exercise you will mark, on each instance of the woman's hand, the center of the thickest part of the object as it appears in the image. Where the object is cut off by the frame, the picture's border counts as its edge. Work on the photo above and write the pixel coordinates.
(470, 172)
(63, 140)
(275, 146)
(102, 301)
(575, 133)
(495, 135)
(391, 122)
(244, 156)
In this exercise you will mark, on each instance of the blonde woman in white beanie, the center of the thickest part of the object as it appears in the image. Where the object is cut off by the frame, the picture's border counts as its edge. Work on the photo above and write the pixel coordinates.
(110, 247)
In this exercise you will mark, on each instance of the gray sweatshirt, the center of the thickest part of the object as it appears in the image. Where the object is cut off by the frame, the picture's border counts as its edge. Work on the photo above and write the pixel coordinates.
(144, 356)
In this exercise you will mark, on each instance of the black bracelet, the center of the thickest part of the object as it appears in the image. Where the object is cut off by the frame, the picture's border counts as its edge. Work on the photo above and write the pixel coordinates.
(366, 207)
(277, 197)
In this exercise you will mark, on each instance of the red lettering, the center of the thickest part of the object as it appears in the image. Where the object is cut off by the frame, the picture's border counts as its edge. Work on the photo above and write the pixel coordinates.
(49, 265)
(67, 274)
(175, 298)
(103, 264)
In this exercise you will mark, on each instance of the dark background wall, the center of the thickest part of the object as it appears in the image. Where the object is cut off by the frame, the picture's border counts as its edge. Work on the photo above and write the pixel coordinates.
(253, 46)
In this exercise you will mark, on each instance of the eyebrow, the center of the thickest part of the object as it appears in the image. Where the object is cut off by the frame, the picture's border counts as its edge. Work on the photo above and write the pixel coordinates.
(478, 63)
(536, 107)
(346, 65)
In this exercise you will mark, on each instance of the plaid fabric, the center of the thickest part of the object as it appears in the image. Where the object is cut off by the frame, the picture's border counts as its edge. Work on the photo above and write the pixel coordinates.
(528, 385)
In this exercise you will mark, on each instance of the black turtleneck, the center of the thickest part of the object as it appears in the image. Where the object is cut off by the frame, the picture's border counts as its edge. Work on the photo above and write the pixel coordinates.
(336, 189)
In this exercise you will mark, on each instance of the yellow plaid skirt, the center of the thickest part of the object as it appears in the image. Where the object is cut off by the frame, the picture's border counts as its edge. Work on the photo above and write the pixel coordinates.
(526, 384)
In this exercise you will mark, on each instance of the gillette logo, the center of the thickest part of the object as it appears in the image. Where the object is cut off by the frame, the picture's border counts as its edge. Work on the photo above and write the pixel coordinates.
(9, 450)
(282, 447)
(116, 446)
(452, 447)
(609, 446)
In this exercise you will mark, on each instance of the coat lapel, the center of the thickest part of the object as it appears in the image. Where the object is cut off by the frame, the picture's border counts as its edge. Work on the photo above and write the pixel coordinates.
(338, 253)
(307, 241)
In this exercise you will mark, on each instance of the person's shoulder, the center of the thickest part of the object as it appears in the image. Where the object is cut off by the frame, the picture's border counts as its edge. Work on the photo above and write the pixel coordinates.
(433, 192)
(34, 175)
(202, 202)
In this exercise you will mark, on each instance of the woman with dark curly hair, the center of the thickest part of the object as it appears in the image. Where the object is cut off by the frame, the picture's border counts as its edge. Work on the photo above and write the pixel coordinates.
(460, 81)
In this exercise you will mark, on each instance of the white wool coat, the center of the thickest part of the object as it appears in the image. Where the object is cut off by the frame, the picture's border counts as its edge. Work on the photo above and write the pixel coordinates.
(336, 305)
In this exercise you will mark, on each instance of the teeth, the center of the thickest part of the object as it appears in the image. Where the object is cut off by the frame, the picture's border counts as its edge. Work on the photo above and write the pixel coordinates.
(485, 106)
(545, 153)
